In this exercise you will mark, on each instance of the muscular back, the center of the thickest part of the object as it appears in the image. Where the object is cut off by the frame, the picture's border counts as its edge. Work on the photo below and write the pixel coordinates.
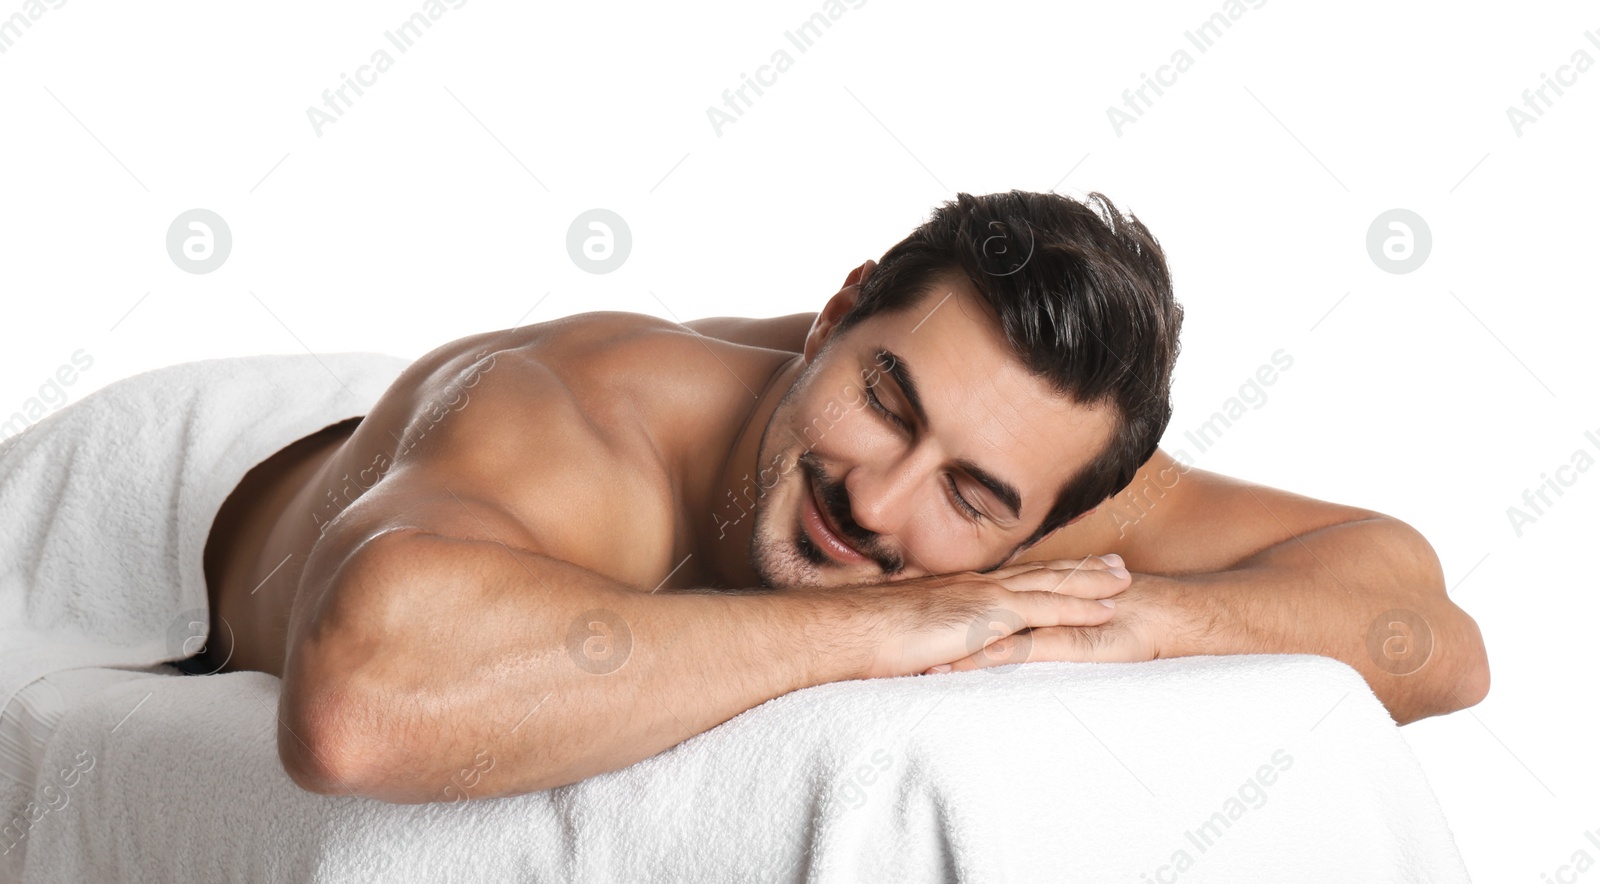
(571, 439)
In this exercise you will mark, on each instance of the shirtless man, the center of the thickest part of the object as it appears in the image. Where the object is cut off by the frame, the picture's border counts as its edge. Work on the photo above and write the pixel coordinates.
(573, 545)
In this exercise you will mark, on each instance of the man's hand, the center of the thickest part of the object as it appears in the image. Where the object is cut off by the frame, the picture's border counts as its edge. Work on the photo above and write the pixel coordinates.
(1136, 631)
(1224, 566)
(933, 620)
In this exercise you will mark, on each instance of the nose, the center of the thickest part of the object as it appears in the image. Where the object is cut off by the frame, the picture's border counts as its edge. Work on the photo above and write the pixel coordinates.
(883, 496)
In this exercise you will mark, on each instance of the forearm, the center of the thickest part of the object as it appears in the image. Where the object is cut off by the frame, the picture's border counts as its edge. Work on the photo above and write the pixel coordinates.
(1333, 592)
(535, 673)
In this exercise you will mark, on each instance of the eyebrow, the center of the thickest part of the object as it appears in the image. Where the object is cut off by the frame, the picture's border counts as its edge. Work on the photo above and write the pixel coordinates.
(897, 368)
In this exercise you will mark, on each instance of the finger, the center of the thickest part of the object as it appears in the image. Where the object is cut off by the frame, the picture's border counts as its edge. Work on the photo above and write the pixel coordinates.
(1061, 644)
(1087, 583)
(1044, 608)
(1110, 560)
(1019, 648)
(1098, 583)
(1072, 644)
(1021, 568)
(1087, 562)
(1003, 633)
(1016, 648)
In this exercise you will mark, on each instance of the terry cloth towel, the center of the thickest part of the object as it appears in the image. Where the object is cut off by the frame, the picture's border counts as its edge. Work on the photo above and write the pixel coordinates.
(108, 502)
(1229, 770)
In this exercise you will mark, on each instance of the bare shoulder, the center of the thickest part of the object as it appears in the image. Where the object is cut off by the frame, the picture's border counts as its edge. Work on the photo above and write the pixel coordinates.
(555, 438)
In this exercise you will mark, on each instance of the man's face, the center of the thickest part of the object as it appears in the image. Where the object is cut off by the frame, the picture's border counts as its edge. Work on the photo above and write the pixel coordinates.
(955, 488)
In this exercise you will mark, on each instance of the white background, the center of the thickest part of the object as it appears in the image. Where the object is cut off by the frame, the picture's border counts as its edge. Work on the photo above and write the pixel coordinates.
(438, 206)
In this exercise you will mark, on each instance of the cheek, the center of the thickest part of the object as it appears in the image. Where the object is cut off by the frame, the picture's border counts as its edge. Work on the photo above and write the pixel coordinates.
(942, 541)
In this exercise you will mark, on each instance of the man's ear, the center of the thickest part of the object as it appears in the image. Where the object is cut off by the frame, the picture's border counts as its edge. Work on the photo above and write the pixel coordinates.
(858, 276)
(838, 305)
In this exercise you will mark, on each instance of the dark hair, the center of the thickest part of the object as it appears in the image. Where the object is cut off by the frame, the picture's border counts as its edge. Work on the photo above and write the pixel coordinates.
(1084, 297)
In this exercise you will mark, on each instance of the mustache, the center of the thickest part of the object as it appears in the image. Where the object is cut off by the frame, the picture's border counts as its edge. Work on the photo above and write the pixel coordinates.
(835, 501)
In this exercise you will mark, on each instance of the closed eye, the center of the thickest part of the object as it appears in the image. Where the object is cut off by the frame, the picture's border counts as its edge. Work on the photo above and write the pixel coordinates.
(960, 502)
(872, 398)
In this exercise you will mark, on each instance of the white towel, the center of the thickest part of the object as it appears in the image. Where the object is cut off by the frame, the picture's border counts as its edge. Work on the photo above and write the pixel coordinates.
(1221, 769)
(1199, 769)
(108, 502)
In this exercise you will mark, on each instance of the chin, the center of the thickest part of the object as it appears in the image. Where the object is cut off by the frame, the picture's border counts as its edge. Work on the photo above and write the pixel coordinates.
(778, 560)
(789, 557)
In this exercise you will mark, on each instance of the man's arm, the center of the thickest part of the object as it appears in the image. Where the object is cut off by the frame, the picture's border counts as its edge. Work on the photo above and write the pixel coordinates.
(471, 668)
(1222, 566)
(481, 621)
(1368, 592)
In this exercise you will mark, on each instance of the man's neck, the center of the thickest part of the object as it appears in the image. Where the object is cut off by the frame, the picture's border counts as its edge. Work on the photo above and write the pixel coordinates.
(721, 524)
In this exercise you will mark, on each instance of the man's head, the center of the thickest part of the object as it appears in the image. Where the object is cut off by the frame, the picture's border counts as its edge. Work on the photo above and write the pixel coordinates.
(1003, 370)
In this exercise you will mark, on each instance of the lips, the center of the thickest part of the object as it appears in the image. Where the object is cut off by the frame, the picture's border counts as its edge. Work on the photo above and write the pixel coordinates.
(826, 537)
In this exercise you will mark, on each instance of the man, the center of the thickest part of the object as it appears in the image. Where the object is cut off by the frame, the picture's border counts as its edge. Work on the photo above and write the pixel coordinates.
(577, 544)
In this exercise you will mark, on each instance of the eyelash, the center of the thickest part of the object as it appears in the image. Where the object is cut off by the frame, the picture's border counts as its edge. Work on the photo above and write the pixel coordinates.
(872, 398)
(966, 509)
(961, 502)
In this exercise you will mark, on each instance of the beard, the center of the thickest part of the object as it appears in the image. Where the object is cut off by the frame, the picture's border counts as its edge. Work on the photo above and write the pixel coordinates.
(783, 558)
(791, 558)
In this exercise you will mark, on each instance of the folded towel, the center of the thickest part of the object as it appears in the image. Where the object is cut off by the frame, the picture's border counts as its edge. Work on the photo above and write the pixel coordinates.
(108, 502)
(1197, 769)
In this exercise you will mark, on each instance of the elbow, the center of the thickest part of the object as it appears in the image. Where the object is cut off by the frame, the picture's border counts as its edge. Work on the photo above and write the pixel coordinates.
(327, 755)
(1463, 681)
(1466, 680)
(381, 763)
(333, 735)
(310, 768)
(315, 750)
(342, 737)
(1476, 684)
(1472, 682)
(1457, 677)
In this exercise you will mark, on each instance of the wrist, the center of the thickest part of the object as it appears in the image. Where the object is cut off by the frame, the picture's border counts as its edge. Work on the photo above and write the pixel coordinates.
(830, 634)
(1171, 610)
